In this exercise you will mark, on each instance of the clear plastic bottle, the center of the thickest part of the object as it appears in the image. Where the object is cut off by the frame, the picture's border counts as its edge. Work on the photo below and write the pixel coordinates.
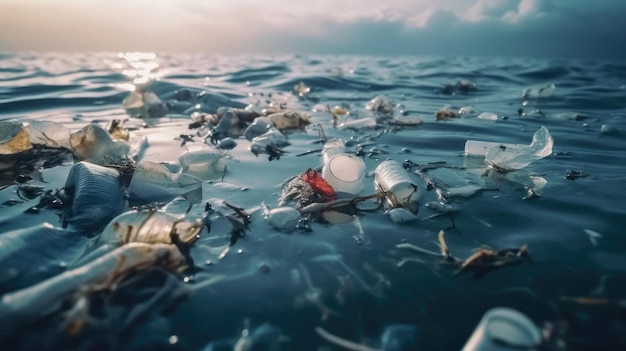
(390, 177)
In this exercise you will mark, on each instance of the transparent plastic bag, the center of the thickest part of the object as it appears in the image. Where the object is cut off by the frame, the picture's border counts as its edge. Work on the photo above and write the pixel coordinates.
(506, 159)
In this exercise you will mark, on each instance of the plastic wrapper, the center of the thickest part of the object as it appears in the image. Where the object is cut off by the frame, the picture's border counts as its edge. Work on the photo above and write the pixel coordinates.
(504, 158)
(94, 144)
(205, 163)
(154, 182)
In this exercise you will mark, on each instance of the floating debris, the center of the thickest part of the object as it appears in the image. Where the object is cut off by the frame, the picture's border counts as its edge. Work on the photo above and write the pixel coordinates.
(289, 120)
(445, 114)
(545, 91)
(380, 104)
(95, 195)
(399, 189)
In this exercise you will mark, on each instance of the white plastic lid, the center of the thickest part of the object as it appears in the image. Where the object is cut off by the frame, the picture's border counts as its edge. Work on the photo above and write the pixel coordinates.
(345, 173)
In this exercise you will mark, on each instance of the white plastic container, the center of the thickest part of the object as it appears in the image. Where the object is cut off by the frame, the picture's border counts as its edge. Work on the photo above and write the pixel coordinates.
(480, 148)
(345, 173)
(392, 178)
(503, 326)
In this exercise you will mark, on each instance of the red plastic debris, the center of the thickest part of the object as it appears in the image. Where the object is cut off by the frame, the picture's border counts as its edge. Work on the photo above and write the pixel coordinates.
(318, 184)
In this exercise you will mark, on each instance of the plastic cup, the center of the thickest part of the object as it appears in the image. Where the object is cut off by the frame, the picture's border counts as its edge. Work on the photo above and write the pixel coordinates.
(503, 329)
(345, 173)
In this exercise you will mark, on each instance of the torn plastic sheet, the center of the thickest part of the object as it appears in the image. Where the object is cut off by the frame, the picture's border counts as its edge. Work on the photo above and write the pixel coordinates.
(508, 159)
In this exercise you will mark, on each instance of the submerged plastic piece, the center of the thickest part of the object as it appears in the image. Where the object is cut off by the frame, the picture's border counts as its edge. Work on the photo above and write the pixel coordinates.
(94, 144)
(504, 329)
(451, 184)
(205, 163)
(516, 158)
(380, 104)
(361, 123)
(20, 308)
(154, 182)
(393, 180)
(19, 136)
(345, 173)
(34, 253)
(401, 215)
(97, 195)
(319, 184)
(282, 218)
(286, 120)
(399, 337)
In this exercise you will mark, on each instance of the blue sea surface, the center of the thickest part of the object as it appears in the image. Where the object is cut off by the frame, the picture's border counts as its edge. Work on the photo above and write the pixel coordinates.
(347, 277)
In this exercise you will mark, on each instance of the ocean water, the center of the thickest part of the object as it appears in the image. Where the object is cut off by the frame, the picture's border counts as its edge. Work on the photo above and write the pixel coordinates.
(347, 277)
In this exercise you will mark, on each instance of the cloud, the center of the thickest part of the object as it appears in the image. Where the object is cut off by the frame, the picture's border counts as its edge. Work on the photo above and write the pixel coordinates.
(561, 28)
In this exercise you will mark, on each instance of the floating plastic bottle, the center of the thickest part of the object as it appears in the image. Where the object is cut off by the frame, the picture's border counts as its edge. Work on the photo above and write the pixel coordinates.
(504, 329)
(345, 173)
(392, 179)
(361, 123)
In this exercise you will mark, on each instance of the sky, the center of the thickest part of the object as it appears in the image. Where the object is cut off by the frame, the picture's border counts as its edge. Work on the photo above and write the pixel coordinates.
(529, 28)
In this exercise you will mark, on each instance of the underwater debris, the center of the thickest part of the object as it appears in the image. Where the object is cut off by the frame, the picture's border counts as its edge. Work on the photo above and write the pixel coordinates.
(482, 261)
(20, 308)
